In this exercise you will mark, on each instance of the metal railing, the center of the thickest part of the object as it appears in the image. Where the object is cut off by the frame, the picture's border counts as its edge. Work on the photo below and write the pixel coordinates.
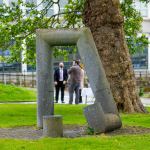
(26, 79)
(142, 78)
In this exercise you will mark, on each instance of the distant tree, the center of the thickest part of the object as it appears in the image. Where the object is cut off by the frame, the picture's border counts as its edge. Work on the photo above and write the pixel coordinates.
(18, 25)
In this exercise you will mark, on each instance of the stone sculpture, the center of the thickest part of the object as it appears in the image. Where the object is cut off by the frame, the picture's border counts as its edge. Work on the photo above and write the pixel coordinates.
(103, 115)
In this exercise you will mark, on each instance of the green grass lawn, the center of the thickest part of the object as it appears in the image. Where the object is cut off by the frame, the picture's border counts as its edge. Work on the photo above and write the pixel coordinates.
(132, 142)
(25, 115)
(13, 115)
(11, 93)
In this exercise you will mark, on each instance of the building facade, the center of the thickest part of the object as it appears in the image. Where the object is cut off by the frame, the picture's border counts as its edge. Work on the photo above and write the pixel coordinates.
(141, 60)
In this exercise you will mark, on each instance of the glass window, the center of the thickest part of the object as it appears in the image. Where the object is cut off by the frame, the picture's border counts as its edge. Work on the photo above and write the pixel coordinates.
(31, 68)
(1, 2)
(1, 53)
(4, 53)
(62, 4)
(142, 7)
(50, 10)
(13, 67)
(31, 1)
(140, 59)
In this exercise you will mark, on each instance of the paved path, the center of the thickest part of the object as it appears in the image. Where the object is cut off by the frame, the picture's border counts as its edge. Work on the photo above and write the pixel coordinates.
(90, 99)
(86, 100)
(145, 101)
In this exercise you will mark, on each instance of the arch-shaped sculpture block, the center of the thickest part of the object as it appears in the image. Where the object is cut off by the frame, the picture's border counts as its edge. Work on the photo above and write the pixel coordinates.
(103, 115)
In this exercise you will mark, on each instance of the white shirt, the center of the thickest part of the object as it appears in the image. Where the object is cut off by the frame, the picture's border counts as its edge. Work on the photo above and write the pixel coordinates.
(61, 74)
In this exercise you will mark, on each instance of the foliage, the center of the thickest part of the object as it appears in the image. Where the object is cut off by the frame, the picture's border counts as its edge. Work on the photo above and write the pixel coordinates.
(72, 114)
(90, 131)
(63, 51)
(74, 20)
(141, 91)
(11, 93)
(132, 24)
(1, 59)
(132, 27)
(18, 26)
(146, 95)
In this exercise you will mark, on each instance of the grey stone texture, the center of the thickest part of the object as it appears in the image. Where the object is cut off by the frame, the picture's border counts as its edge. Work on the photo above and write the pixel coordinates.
(95, 117)
(52, 126)
(44, 80)
(104, 106)
(95, 72)
(112, 122)
(99, 121)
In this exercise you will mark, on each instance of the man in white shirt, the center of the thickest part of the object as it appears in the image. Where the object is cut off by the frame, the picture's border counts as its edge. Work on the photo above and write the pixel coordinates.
(60, 80)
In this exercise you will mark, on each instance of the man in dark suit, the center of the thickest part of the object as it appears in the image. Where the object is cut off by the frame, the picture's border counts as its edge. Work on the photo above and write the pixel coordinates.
(60, 80)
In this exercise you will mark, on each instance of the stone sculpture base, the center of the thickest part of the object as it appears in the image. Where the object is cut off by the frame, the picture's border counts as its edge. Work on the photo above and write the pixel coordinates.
(99, 121)
(52, 126)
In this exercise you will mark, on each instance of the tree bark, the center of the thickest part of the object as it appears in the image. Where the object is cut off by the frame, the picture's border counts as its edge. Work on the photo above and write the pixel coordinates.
(106, 24)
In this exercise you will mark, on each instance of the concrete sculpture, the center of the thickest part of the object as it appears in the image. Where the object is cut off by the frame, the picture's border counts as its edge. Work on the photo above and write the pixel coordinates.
(103, 115)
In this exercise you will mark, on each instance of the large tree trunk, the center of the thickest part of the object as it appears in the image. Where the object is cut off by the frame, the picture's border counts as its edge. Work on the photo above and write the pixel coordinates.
(106, 24)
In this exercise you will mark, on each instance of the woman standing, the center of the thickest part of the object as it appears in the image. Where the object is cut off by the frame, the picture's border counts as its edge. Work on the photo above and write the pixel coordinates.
(81, 84)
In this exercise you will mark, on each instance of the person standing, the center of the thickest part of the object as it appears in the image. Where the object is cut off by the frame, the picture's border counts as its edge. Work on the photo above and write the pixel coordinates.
(74, 82)
(60, 80)
(81, 85)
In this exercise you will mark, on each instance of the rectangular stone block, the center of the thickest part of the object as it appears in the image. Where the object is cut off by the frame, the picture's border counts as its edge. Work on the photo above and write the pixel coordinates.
(95, 117)
(52, 126)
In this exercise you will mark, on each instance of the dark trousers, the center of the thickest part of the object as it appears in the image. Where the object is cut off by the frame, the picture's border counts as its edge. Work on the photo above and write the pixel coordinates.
(74, 87)
(59, 86)
(80, 96)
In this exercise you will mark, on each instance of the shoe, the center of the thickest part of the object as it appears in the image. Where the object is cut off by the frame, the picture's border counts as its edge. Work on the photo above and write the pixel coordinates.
(56, 101)
(62, 102)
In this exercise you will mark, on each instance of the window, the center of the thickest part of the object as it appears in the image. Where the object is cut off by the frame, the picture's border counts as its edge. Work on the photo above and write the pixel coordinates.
(62, 4)
(50, 10)
(27, 9)
(140, 59)
(4, 53)
(31, 68)
(12, 1)
(1, 2)
(142, 7)
(31, 1)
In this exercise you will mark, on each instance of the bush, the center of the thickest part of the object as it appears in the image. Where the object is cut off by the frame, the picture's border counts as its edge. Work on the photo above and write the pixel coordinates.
(141, 92)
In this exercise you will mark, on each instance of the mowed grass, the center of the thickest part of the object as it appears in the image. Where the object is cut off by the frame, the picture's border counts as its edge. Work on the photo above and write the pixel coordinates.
(142, 120)
(11, 93)
(132, 142)
(25, 114)
(13, 115)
